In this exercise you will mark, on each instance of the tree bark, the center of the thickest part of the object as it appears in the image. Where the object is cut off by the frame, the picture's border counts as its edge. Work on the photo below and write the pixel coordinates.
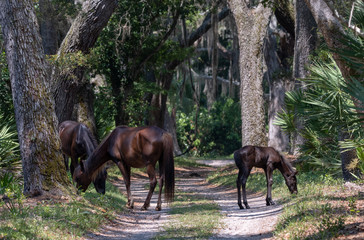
(80, 38)
(276, 137)
(234, 74)
(84, 110)
(305, 44)
(252, 28)
(42, 161)
(211, 86)
(48, 27)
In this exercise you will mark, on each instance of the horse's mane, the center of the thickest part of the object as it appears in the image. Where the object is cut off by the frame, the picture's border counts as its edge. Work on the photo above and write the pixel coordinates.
(103, 166)
(92, 137)
(83, 133)
(287, 163)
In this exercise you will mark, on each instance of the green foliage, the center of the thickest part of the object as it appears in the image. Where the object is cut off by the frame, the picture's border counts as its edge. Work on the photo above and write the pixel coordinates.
(9, 148)
(358, 163)
(219, 131)
(64, 219)
(6, 102)
(11, 193)
(104, 112)
(134, 46)
(324, 107)
(358, 14)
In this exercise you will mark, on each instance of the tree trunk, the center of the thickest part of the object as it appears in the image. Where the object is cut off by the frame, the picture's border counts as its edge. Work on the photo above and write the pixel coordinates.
(305, 44)
(43, 167)
(276, 137)
(234, 74)
(211, 85)
(80, 38)
(346, 155)
(159, 100)
(170, 126)
(48, 26)
(253, 21)
(84, 110)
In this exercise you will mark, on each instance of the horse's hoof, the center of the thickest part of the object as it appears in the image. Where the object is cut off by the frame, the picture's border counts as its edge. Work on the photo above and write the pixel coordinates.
(241, 206)
(144, 208)
(158, 208)
(129, 206)
(247, 206)
(269, 203)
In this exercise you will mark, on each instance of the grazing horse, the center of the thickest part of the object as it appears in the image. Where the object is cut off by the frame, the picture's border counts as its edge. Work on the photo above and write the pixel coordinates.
(78, 142)
(134, 147)
(267, 158)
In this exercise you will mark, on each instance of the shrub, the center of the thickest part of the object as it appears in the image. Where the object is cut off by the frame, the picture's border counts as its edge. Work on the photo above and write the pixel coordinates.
(219, 131)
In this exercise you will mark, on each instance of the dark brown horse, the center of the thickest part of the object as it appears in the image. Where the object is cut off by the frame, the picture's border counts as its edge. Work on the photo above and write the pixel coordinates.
(267, 158)
(78, 142)
(134, 147)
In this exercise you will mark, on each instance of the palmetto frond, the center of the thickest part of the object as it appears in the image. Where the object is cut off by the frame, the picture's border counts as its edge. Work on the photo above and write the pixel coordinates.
(326, 96)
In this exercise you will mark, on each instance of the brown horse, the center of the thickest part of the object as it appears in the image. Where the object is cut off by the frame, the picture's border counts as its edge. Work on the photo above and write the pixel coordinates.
(78, 142)
(267, 158)
(134, 147)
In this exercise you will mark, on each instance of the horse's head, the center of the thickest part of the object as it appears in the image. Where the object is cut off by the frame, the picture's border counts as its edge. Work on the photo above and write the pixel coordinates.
(291, 182)
(81, 178)
(100, 182)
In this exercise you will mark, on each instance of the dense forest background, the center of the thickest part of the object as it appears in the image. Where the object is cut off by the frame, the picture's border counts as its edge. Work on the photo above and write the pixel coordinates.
(217, 75)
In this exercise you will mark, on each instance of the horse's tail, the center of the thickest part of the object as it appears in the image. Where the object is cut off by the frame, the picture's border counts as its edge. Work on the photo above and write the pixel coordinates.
(237, 158)
(168, 167)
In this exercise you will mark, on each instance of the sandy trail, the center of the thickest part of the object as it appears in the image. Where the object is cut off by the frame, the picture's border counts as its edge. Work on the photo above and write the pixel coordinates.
(255, 223)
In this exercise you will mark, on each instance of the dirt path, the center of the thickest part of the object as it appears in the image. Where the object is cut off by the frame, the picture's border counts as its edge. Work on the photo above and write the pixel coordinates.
(255, 223)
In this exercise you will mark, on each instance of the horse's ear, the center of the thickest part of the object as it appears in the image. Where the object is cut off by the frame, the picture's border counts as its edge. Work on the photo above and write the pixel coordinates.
(82, 166)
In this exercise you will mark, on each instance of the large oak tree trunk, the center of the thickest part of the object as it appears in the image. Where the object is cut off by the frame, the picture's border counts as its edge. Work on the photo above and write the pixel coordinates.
(43, 167)
(252, 28)
(80, 38)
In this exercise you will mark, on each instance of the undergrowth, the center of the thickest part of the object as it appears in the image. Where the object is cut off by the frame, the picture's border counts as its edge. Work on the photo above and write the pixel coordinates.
(58, 219)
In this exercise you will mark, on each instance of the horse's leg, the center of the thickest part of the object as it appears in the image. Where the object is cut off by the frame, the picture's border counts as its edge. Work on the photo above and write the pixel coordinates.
(246, 174)
(66, 163)
(74, 164)
(269, 176)
(161, 183)
(238, 186)
(125, 171)
(153, 183)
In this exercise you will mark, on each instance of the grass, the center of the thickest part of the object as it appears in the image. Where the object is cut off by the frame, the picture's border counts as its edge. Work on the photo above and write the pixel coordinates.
(323, 208)
(71, 219)
(61, 219)
(192, 217)
(187, 162)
